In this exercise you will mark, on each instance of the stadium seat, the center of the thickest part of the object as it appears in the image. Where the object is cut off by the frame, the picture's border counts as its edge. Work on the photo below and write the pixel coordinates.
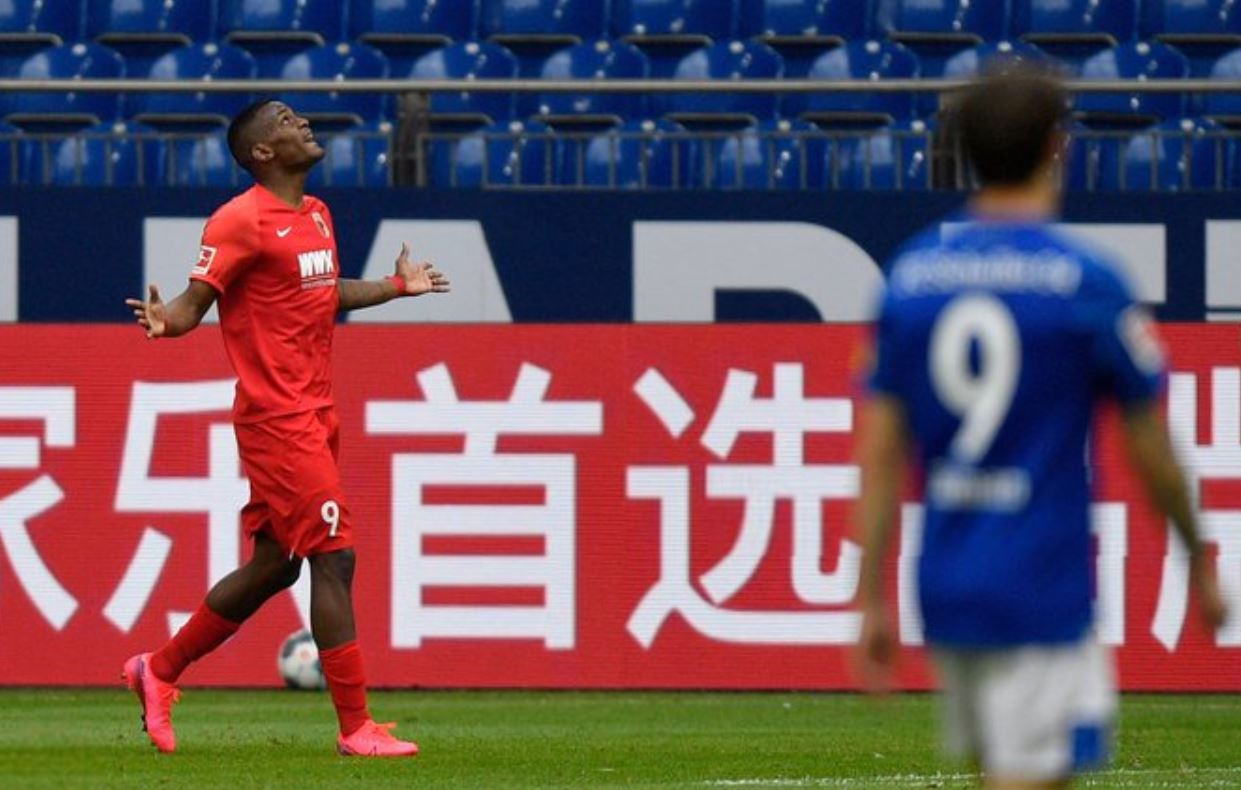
(599, 60)
(773, 154)
(888, 157)
(203, 160)
(468, 60)
(10, 154)
(956, 23)
(512, 154)
(666, 30)
(110, 154)
(405, 30)
(1202, 30)
(1133, 61)
(1225, 107)
(639, 154)
(1175, 156)
(40, 22)
(142, 30)
(725, 61)
(338, 62)
(858, 60)
(72, 108)
(801, 30)
(274, 29)
(204, 62)
(970, 62)
(358, 157)
(1074, 29)
(556, 23)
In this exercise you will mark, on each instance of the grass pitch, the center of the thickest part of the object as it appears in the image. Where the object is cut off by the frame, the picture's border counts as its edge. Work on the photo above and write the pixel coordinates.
(56, 738)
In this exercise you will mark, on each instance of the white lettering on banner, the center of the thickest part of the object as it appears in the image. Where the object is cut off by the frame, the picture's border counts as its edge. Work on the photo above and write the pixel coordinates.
(220, 495)
(1223, 275)
(1109, 521)
(1219, 459)
(170, 249)
(56, 408)
(1139, 248)
(908, 607)
(678, 267)
(9, 268)
(789, 416)
(526, 412)
(460, 249)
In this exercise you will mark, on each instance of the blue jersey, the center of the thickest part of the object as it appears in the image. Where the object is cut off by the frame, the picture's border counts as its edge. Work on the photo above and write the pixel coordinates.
(999, 342)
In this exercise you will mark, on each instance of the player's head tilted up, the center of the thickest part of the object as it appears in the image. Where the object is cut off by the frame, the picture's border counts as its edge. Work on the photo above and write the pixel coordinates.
(1011, 126)
(269, 140)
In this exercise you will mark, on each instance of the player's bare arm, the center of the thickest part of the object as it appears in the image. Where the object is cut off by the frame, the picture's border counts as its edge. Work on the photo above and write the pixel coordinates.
(177, 317)
(1150, 452)
(882, 454)
(411, 279)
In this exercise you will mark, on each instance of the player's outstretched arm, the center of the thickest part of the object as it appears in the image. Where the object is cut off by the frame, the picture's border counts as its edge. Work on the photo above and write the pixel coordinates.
(1150, 452)
(410, 279)
(882, 450)
(176, 317)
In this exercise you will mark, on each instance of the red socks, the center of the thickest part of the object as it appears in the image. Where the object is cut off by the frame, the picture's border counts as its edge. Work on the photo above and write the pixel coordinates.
(204, 632)
(342, 666)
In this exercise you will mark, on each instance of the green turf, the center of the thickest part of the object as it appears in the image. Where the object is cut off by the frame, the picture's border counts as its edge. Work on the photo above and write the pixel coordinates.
(236, 739)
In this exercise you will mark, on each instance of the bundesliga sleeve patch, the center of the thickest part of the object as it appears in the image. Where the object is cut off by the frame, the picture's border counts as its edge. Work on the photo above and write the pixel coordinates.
(206, 254)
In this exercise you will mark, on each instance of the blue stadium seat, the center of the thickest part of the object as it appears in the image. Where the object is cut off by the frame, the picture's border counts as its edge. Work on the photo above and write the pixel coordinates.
(40, 22)
(405, 30)
(110, 154)
(142, 30)
(509, 154)
(468, 60)
(992, 55)
(1133, 61)
(666, 30)
(1087, 152)
(73, 108)
(639, 154)
(1175, 156)
(773, 154)
(10, 154)
(194, 110)
(858, 60)
(274, 29)
(358, 157)
(203, 160)
(801, 30)
(549, 22)
(725, 61)
(956, 23)
(1225, 106)
(599, 60)
(1202, 30)
(1073, 29)
(338, 62)
(881, 158)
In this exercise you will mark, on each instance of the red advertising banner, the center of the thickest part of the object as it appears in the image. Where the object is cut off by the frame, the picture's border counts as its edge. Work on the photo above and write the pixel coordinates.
(551, 506)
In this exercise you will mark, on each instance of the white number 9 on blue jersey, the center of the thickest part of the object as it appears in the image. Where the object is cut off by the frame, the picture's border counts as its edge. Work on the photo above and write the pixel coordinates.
(980, 398)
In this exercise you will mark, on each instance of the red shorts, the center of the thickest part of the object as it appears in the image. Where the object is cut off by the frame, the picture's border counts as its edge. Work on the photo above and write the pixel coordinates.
(295, 491)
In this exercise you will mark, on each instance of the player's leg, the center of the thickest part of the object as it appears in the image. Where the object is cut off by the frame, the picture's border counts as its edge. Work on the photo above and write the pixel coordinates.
(152, 676)
(332, 623)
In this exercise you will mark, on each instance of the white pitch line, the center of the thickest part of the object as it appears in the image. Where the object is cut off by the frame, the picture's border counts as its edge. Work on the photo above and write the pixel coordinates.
(1141, 777)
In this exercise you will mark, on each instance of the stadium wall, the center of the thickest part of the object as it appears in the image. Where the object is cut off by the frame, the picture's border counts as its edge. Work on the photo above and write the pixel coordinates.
(71, 255)
(550, 506)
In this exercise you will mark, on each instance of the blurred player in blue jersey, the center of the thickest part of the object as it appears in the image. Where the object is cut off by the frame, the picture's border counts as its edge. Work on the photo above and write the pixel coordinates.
(993, 347)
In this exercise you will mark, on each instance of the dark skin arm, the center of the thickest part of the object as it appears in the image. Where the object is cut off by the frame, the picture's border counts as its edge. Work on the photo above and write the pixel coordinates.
(177, 317)
(420, 278)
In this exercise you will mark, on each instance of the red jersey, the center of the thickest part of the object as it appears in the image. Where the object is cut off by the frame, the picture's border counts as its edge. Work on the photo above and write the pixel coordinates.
(274, 268)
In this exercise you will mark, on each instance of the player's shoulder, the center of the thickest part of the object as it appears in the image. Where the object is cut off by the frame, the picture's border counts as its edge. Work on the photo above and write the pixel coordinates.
(1101, 271)
(240, 210)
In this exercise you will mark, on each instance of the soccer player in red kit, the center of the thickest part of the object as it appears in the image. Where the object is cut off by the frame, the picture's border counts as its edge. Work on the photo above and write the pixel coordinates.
(268, 258)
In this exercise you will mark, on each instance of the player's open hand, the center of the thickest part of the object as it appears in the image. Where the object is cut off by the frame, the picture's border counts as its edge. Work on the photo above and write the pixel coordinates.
(150, 314)
(420, 278)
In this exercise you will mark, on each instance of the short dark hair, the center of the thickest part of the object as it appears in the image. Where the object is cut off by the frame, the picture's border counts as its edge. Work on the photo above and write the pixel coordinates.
(1007, 121)
(241, 133)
